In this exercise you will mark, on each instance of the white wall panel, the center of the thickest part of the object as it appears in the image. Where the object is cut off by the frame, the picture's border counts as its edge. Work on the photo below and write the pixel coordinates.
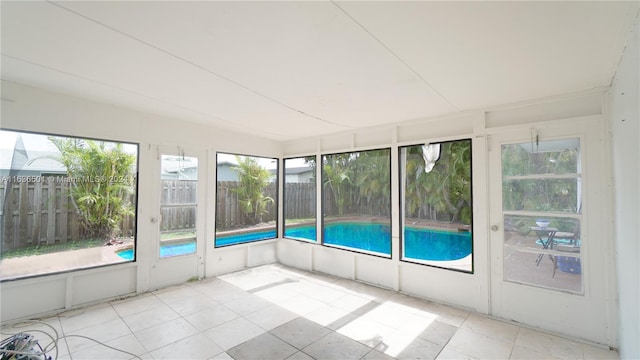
(333, 261)
(625, 127)
(338, 142)
(431, 129)
(226, 260)
(35, 110)
(104, 283)
(298, 147)
(574, 106)
(374, 137)
(261, 253)
(29, 109)
(172, 270)
(465, 290)
(455, 288)
(294, 253)
(32, 297)
(376, 271)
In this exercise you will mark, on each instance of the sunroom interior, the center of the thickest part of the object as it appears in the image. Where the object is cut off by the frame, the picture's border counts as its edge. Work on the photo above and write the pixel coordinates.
(476, 155)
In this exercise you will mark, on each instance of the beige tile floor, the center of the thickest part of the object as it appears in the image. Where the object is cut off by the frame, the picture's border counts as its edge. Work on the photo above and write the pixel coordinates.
(275, 312)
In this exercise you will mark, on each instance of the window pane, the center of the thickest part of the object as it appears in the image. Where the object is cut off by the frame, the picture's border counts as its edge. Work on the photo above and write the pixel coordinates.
(541, 194)
(67, 203)
(541, 201)
(545, 157)
(246, 194)
(547, 255)
(300, 198)
(436, 198)
(178, 205)
(356, 201)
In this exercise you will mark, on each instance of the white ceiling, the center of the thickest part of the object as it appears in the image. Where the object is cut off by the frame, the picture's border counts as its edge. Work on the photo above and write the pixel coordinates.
(289, 70)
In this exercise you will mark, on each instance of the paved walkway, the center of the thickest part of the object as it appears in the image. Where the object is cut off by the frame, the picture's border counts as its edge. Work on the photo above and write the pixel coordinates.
(60, 261)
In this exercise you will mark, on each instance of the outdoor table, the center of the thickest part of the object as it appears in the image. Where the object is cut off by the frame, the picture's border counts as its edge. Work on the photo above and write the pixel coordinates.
(545, 235)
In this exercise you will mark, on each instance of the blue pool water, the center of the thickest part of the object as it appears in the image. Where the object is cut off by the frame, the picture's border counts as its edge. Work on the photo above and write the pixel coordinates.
(419, 243)
(303, 233)
(126, 254)
(177, 249)
(165, 250)
(436, 245)
(169, 250)
(244, 237)
(361, 236)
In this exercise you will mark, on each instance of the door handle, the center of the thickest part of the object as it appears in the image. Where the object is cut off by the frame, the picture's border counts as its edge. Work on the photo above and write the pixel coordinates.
(495, 228)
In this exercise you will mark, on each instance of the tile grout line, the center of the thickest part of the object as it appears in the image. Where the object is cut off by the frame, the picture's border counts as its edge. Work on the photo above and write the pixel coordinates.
(513, 345)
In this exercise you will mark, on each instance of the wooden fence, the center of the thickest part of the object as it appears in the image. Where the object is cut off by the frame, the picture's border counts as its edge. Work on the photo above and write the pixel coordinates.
(178, 205)
(300, 200)
(41, 212)
(229, 214)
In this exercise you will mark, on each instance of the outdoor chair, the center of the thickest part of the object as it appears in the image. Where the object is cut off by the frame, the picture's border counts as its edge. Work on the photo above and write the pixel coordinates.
(570, 243)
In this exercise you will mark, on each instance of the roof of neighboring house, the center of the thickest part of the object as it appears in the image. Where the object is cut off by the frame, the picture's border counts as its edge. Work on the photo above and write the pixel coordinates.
(179, 168)
(43, 161)
(298, 170)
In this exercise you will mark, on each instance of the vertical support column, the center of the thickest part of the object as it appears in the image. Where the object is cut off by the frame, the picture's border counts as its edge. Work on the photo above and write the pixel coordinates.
(23, 206)
(396, 226)
(481, 208)
(319, 199)
(280, 208)
(63, 221)
(51, 213)
(37, 210)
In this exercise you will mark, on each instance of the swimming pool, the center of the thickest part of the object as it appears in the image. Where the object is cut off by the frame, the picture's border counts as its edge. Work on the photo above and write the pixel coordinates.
(361, 236)
(126, 254)
(436, 245)
(419, 243)
(166, 250)
(244, 237)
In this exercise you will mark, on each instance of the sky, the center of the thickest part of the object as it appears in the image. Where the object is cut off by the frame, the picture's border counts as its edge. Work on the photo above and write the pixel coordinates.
(40, 142)
(31, 141)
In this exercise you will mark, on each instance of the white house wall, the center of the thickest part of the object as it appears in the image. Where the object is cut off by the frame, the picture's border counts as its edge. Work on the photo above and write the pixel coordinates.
(468, 291)
(30, 109)
(625, 128)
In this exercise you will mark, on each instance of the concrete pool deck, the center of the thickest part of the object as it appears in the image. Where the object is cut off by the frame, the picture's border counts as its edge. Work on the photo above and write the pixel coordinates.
(34, 265)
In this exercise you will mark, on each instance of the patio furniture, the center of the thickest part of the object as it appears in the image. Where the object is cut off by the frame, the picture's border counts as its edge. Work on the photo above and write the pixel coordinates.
(545, 238)
(568, 242)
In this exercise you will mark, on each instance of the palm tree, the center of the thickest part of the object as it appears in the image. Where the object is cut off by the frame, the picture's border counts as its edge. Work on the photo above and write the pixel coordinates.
(373, 181)
(101, 183)
(253, 181)
(335, 177)
(445, 191)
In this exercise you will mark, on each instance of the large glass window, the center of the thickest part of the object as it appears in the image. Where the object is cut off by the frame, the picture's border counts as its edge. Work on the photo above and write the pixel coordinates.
(542, 209)
(300, 198)
(67, 203)
(436, 197)
(247, 198)
(356, 193)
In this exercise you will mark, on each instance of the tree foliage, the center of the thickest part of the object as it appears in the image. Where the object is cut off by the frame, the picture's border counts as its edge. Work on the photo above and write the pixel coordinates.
(102, 181)
(443, 193)
(543, 193)
(253, 180)
(358, 183)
